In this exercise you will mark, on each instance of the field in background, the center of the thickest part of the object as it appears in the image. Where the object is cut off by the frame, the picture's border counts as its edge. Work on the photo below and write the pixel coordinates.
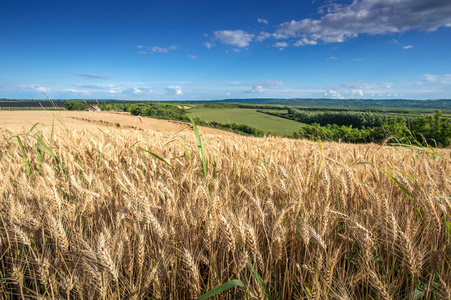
(93, 120)
(138, 214)
(247, 116)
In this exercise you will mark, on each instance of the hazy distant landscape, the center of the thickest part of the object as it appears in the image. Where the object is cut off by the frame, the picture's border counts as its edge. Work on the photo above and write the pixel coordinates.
(403, 104)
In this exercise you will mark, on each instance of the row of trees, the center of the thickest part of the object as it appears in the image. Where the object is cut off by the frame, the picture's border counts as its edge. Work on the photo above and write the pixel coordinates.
(158, 111)
(432, 130)
(237, 128)
(356, 119)
(74, 105)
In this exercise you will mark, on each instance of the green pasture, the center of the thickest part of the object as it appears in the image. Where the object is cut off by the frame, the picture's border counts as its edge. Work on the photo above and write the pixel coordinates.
(251, 117)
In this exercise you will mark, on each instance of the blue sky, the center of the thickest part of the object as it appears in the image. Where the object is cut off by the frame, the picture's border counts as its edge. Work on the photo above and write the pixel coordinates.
(202, 50)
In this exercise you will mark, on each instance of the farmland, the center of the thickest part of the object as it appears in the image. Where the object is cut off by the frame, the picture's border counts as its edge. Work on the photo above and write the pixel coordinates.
(250, 117)
(101, 211)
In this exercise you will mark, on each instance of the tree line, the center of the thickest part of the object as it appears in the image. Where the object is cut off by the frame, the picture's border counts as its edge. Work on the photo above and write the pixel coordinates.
(434, 130)
(356, 119)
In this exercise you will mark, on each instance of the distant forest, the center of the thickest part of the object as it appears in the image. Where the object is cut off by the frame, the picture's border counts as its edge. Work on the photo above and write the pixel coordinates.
(442, 104)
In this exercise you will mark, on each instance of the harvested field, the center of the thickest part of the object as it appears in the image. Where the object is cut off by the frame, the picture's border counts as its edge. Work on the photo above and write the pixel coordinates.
(83, 119)
(129, 214)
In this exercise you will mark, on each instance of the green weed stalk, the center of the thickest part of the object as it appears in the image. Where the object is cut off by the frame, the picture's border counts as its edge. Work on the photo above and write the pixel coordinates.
(200, 147)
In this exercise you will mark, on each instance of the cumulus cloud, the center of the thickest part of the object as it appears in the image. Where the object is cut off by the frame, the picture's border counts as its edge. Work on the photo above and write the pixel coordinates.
(305, 41)
(255, 89)
(408, 47)
(261, 86)
(208, 45)
(280, 45)
(147, 49)
(92, 76)
(334, 94)
(96, 86)
(359, 88)
(192, 56)
(342, 22)
(263, 36)
(141, 90)
(34, 87)
(112, 88)
(174, 90)
(75, 91)
(437, 79)
(238, 38)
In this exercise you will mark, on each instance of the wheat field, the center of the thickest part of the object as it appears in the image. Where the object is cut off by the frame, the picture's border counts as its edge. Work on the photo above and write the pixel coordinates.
(127, 214)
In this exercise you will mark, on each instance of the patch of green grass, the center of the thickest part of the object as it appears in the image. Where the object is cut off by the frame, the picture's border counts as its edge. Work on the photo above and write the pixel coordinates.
(267, 123)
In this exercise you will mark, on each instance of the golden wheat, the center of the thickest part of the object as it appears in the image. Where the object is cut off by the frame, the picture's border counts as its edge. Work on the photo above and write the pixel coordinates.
(324, 221)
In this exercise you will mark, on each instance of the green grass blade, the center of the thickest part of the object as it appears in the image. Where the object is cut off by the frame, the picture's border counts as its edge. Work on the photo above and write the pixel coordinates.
(156, 156)
(260, 280)
(364, 163)
(404, 191)
(402, 173)
(398, 183)
(183, 145)
(53, 127)
(39, 153)
(221, 288)
(58, 163)
(407, 146)
(32, 127)
(27, 164)
(200, 147)
(101, 130)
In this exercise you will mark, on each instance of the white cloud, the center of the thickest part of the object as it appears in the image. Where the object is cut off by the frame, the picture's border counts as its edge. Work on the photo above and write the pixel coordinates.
(34, 87)
(174, 90)
(192, 56)
(208, 45)
(263, 36)
(408, 47)
(264, 21)
(342, 22)
(280, 45)
(141, 90)
(96, 86)
(155, 49)
(263, 85)
(305, 41)
(255, 89)
(92, 76)
(437, 79)
(359, 88)
(75, 91)
(113, 89)
(357, 92)
(237, 38)
(333, 94)
(332, 58)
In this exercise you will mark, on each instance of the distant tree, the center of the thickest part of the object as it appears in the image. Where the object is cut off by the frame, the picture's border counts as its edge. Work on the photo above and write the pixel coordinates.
(74, 105)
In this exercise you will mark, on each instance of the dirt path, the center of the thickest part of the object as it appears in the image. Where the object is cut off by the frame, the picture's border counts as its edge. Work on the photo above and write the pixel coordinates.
(83, 119)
